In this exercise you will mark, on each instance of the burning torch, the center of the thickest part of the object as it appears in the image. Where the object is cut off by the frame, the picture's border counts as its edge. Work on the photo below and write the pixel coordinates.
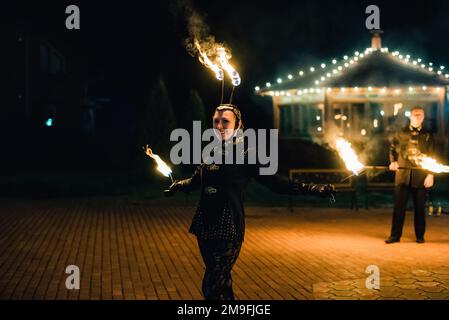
(162, 167)
(350, 158)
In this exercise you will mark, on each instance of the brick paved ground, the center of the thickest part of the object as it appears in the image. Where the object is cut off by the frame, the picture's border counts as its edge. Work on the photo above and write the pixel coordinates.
(136, 251)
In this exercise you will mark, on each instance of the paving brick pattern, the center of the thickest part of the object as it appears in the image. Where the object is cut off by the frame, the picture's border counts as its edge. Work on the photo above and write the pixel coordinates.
(133, 250)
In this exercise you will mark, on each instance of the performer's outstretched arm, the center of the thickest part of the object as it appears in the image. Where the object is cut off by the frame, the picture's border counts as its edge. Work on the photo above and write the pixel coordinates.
(281, 184)
(185, 185)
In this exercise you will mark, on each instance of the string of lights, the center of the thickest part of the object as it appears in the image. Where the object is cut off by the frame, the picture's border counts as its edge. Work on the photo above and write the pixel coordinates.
(336, 68)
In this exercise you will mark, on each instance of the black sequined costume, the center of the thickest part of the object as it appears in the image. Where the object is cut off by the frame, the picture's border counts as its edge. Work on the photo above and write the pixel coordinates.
(219, 222)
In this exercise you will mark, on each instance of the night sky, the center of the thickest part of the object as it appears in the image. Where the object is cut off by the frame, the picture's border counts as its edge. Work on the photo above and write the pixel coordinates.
(127, 45)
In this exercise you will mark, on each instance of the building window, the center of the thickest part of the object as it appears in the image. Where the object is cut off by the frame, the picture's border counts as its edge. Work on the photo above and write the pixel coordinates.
(301, 120)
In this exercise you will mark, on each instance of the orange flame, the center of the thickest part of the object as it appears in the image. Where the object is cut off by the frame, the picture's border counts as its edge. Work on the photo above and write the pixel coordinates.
(204, 59)
(349, 157)
(161, 165)
(224, 57)
(431, 164)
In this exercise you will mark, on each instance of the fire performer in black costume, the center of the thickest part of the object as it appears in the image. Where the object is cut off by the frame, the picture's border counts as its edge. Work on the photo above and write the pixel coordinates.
(219, 222)
(408, 144)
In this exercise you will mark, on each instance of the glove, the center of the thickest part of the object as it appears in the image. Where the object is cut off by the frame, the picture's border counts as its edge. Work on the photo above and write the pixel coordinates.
(182, 185)
(174, 187)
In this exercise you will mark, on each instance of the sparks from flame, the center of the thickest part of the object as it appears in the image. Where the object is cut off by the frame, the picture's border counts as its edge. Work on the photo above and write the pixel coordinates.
(349, 157)
(162, 167)
(431, 164)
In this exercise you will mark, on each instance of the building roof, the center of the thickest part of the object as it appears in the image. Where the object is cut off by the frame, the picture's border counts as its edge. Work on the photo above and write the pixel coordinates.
(373, 67)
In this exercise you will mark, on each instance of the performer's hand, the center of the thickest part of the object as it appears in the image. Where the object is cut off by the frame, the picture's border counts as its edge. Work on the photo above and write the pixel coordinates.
(394, 166)
(428, 181)
(172, 189)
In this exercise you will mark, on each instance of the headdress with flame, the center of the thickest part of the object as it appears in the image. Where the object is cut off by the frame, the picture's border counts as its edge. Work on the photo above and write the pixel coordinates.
(216, 58)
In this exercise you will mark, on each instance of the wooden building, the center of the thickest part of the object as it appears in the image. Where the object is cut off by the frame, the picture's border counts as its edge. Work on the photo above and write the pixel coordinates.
(360, 96)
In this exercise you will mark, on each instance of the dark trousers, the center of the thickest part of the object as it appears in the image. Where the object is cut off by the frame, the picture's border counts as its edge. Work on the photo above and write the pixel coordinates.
(400, 204)
(219, 257)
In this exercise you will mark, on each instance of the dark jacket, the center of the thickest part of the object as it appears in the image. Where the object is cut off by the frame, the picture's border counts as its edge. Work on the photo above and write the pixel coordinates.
(226, 183)
(404, 146)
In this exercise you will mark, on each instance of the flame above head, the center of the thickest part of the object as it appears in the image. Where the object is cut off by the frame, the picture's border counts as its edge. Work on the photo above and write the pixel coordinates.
(162, 167)
(349, 157)
(431, 164)
(204, 59)
(224, 57)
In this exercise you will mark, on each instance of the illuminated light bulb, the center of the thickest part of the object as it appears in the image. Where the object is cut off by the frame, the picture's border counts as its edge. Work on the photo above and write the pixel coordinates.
(323, 65)
(370, 89)
(356, 53)
(430, 69)
(407, 56)
(312, 90)
(410, 89)
(317, 82)
(323, 78)
(306, 91)
(290, 76)
(415, 62)
(312, 69)
(271, 93)
(351, 62)
(424, 88)
(257, 88)
(356, 88)
(407, 114)
(342, 89)
(442, 67)
(329, 89)
(382, 113)
(288, 94)
(268, 84)
(423, 66)
(301, 73)
(430, 64)
(337, 116)
(334, 71)
(356, 58)
(419, 60)
(319, 129)
(397, 91)
(375, 123)
(340, 68)
(277, 94)
(446, 75)
(318, 118)
(282, 93)
(439, 72)
(401, 56)
(299, 92)
(438, 89)
(362, 55)
(328, 75)
(334, 61)
(384, 90)
(318, 90)
(346, 57)
(344, 118)
(279, 80)
(363, 132)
